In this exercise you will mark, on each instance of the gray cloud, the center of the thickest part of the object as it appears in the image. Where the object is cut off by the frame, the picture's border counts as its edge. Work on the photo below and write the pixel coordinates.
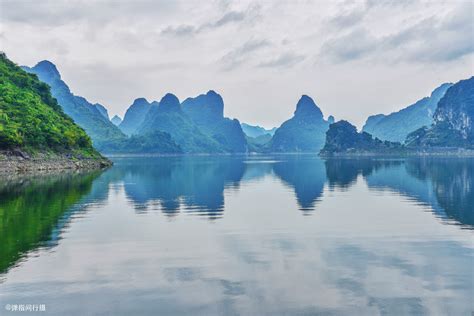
(180, 30)
(59, 12)
(242, 53)
(358, 43)
(228, 18)
(348, 18)
(284, 60)
(433, 39)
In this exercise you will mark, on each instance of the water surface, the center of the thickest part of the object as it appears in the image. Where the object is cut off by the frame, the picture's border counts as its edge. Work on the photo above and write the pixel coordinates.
(243, 236)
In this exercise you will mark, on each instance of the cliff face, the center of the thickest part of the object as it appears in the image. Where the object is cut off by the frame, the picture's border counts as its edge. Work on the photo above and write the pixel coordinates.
(457, 108)
(453, 120)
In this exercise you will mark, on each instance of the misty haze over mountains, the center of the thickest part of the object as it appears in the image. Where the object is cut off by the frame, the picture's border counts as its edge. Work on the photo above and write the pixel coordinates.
(198, 125)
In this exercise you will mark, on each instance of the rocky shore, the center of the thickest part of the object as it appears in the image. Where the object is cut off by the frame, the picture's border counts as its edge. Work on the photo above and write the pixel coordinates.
(16, 161)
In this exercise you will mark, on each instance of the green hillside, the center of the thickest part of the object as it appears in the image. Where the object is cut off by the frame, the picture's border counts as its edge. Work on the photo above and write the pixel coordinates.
(32, 120)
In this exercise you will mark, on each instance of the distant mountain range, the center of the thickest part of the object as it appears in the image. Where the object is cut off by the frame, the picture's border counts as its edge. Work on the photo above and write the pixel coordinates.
(198, 124)
(256, 131)
(396, 126)
(94, 119)
(453, 120)
(452, 127)
(116, 120)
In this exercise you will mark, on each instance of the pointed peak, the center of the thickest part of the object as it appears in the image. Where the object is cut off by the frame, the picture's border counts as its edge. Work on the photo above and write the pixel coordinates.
(140, 101)
(211, 93)
(169, 102)
(48, 67)
(307, 107)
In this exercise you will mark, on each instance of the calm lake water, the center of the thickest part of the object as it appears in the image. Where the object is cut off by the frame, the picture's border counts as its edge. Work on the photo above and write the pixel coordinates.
(258, 235)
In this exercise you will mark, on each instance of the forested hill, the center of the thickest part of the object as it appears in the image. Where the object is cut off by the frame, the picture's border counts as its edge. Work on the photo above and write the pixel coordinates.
(91, 117)
(31, 119)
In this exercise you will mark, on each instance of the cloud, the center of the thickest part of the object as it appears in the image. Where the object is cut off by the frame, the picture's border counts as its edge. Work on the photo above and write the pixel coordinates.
(430, 40)
(357, 44)
(62, 12)
(186, 29)
(284, 60)
(242, 53)
(180, 30)
(229, 17)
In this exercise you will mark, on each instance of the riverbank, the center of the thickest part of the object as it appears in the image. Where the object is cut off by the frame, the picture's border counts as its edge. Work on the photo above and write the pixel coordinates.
(403, 153)
(17, 161)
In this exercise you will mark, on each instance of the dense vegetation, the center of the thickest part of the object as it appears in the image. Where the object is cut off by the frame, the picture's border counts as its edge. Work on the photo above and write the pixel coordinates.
(150, 143)
(343, 138)
(31, 119)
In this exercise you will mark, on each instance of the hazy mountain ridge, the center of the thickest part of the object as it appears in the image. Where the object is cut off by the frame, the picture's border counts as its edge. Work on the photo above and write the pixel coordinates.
(169, 117)
(452, 129)
(116, 120)
(198, 125)
(453, 120)
(256, 131)
(135, 116)
(207, 112)
(397, 125)
(85, 114)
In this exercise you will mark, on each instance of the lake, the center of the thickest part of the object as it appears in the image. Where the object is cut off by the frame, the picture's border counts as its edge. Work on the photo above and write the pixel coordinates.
(242, 235)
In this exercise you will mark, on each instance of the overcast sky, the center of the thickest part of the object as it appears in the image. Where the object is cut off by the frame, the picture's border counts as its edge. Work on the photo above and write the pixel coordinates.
(355, 58)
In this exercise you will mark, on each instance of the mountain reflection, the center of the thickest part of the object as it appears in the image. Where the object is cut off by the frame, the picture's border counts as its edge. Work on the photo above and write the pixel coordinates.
(33, 209)
(172, 183)
(446, 185)
(197, 184)
(306, 175)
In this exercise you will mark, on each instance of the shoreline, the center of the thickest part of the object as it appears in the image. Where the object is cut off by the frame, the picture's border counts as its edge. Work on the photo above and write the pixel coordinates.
(458, 153)
(413, 154)
(20, 163)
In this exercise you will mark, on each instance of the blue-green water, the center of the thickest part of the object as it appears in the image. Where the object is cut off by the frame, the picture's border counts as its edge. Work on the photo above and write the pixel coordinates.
(258, 235)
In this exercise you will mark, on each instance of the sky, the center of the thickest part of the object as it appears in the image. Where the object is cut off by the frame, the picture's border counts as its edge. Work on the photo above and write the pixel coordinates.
(354, 58)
